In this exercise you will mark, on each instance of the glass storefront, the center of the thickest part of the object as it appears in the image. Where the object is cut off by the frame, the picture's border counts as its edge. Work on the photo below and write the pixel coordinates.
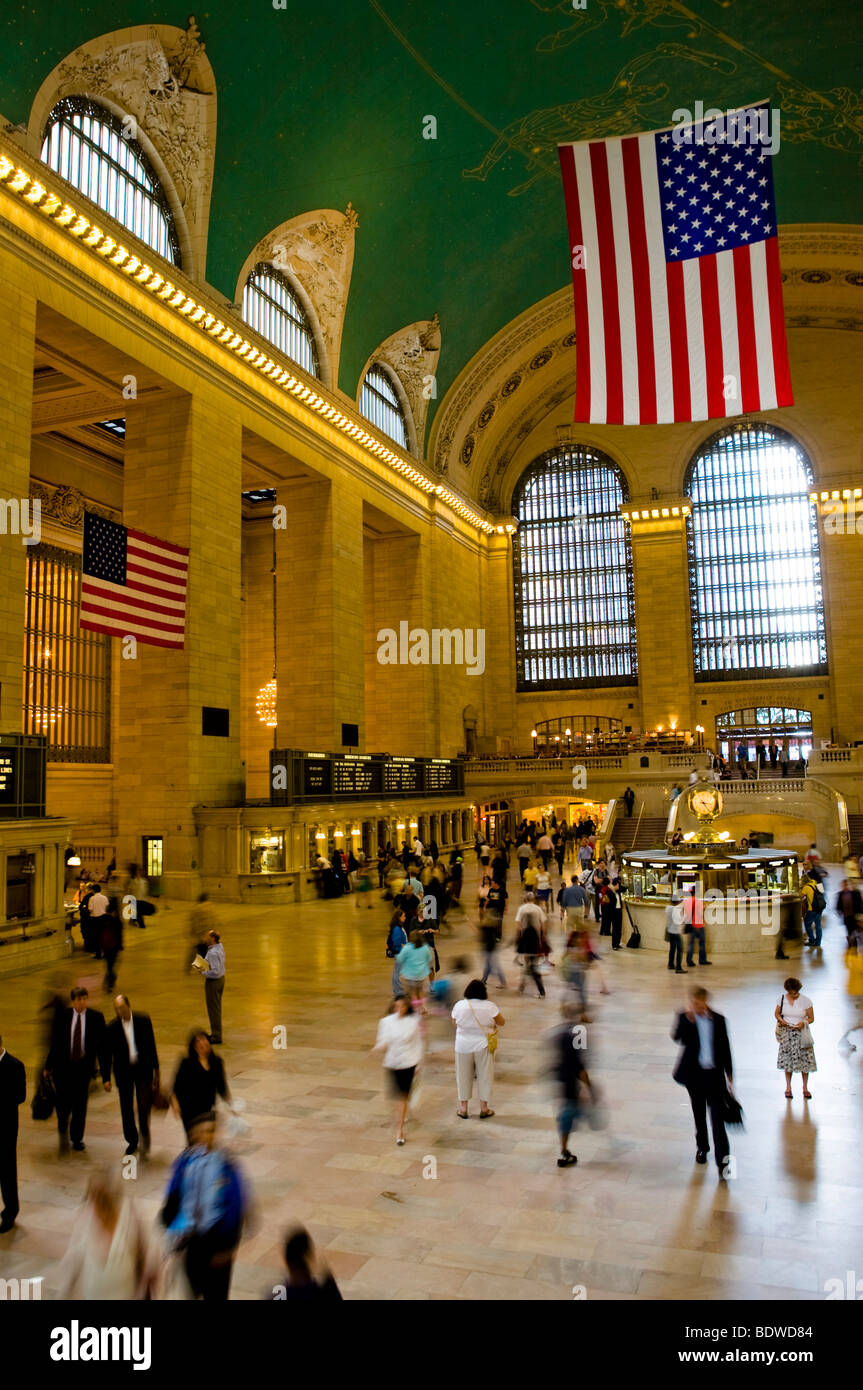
(266, 852)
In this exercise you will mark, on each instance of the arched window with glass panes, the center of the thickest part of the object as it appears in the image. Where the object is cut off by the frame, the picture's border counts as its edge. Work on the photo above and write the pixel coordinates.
(90, 147)
(572, 569)
(380, 403)
(271, 306)
(754, 562)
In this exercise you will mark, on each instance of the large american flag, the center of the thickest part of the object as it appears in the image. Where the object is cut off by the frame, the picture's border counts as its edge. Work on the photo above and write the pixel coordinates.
(132, 585)
(678, 306)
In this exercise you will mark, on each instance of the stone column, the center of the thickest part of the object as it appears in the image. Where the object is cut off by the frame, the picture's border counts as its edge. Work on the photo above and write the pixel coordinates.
(319, 615)
(182, 482)
(17, 332)
(663, 623)
(400, 696)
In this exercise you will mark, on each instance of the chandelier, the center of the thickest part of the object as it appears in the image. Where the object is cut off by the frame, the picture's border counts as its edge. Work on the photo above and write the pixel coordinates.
(265, 704)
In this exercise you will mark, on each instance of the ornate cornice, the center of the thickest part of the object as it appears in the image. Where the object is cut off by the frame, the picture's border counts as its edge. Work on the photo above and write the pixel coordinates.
(66, 505)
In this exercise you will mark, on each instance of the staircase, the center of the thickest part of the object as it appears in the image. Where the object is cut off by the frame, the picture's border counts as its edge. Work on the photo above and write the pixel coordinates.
(651, 832)
(855, 834)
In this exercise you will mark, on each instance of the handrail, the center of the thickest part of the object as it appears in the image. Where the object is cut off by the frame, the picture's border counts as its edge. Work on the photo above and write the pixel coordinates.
(637, 824)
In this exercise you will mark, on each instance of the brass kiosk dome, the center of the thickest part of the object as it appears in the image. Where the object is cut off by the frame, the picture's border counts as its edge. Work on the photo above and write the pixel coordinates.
(750, 895)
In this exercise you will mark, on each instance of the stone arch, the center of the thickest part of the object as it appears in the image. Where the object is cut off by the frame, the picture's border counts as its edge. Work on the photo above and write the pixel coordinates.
(315, 252)
(411, 355)
(159, 75)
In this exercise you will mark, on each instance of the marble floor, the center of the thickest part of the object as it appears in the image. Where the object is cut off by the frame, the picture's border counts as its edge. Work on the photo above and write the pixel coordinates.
(469, 1210)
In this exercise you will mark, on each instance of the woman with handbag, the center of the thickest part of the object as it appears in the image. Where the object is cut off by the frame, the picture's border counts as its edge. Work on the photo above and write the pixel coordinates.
(399, 1034)
(477, 1020)
(793, 1015)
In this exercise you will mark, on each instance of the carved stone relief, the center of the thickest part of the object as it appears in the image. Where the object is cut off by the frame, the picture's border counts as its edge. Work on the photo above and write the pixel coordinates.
(413, 355)
(316, 250)
(66, 505)
(161, 76)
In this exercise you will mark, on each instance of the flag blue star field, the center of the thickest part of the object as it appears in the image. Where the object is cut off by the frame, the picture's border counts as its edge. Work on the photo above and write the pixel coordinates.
(678, 290)
(132, 585)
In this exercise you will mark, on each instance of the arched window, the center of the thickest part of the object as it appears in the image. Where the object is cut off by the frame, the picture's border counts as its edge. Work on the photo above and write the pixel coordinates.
(572, 563)
(271, 307)
(379, 402)
(754, 565)
(86, 145)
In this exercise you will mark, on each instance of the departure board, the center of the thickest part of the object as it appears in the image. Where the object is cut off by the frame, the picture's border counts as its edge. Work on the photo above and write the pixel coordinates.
(8, 770)
(441, 775)
(402, 775)
(317, 775)
(357, 776)
(303, 776)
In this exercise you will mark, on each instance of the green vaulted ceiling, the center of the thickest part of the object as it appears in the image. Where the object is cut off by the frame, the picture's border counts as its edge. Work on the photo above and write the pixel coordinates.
(322, 103)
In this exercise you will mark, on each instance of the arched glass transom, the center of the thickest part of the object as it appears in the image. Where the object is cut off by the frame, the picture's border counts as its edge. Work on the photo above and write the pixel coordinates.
(271, 307)
(754, 563)
(572, 564)
(92, 149)
(379, 403)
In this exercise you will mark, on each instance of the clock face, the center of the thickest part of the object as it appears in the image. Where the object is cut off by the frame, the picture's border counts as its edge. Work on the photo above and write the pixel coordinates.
(703, 802)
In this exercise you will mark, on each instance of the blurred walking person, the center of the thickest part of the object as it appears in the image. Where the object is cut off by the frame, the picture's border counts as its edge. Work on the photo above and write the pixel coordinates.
(399, 1034)
(308, 1281)
(529, 922)
(132, 1056)
(13, 1092)
(415, 962)
(200, 1078)
(674, 918)
(704, 1068)
(107, 1257)
(77, 1051)
(111, 941)
(569, 1064)
(205, 1207)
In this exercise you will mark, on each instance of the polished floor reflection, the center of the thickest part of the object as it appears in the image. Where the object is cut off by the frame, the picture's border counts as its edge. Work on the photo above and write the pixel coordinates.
(470, 1210)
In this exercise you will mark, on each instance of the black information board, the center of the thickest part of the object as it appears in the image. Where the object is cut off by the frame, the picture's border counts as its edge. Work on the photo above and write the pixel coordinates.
(299, 776)
(8, 775)
(317, 775)
(357, 776)
(22, 776)
(403, 775)
(441, 775)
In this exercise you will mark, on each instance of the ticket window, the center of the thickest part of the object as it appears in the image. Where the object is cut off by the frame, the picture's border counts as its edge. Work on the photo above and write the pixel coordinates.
(267, 854)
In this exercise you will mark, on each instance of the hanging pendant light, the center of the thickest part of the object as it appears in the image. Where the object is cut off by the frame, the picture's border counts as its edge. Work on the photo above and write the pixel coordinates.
(265, 704)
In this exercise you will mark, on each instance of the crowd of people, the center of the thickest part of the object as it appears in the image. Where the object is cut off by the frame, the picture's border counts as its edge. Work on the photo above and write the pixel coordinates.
(529, 902)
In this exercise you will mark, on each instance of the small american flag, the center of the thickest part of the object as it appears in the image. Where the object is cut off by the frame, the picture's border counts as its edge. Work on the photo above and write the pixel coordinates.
(678, 306)
(133, 585)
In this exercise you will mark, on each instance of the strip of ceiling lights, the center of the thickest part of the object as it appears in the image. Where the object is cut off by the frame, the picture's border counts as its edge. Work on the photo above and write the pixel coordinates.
(26, 186)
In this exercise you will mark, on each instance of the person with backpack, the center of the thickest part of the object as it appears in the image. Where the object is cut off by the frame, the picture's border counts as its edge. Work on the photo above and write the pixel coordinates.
(814, 904)
(397, 937)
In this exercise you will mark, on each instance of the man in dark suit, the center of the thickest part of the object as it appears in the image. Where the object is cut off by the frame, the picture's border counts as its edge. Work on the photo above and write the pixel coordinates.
(77, 1052)
(13, 1092)
(131, 1053)
(704, 1068)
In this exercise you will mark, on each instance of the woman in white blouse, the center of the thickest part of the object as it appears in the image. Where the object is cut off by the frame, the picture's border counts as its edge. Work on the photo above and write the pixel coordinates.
(475, 1017)
(793, 1015)
(399, 1034)
(108, 1256)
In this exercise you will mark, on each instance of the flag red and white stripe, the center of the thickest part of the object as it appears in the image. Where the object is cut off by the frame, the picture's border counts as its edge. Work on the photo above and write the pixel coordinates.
(151, 604)
(661, 340)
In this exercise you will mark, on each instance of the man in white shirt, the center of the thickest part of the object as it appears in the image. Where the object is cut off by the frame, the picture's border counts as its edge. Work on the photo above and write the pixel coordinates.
(98, 904)
(131, 1051)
